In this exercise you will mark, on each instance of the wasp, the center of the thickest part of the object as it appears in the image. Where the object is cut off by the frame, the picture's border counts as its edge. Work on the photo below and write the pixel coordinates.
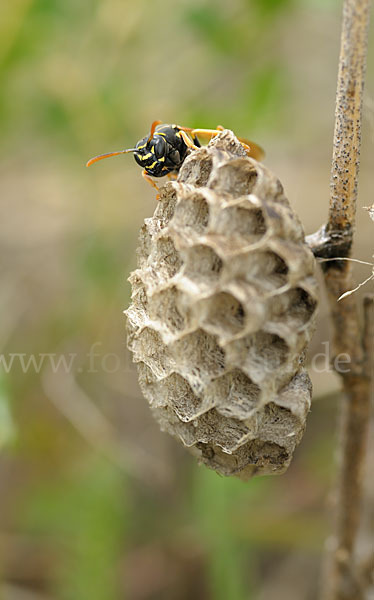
(164, 149)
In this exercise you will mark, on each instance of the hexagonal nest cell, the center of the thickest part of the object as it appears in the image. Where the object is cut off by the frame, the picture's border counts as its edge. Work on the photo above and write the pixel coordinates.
(269, 267)
(296, 307)
(197, 168)
(236, 177)
(162, 262)
(234, 395)
(192, 213)
(163, 307)
(237, 221)
(181, 398)
(202, 264)
(199, 357)
(223, 306)
(224, 315)
(262, 351)
(166, 258)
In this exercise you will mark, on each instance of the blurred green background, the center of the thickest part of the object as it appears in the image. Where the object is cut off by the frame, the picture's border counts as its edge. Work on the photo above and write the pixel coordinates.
(95, 502)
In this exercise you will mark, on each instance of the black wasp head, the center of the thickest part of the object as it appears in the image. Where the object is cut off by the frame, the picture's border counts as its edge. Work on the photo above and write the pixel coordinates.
(149, 151)
(158, 152)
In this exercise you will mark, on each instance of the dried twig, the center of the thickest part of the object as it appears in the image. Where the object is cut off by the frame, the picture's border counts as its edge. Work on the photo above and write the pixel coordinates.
(335, 240)
(362, 283)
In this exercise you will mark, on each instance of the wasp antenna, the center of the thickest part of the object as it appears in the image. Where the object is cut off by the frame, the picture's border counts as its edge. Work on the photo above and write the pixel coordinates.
(101, 156)
(153, 127)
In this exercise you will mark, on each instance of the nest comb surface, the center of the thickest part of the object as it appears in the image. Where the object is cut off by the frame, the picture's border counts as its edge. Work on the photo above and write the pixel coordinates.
(223, 307)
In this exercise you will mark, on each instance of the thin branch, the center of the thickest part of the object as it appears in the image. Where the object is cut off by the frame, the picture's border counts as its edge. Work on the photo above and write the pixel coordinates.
(341, 581)
(360, 285)
(355, 260)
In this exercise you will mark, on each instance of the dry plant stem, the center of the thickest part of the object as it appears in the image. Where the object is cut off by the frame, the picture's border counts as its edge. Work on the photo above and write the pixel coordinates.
(336, 240)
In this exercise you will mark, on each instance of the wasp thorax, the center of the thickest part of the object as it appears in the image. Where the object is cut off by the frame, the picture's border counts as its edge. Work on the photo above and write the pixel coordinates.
(223, 307)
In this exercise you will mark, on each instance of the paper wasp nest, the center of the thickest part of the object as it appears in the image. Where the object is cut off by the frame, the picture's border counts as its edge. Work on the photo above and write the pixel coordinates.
(223, 307)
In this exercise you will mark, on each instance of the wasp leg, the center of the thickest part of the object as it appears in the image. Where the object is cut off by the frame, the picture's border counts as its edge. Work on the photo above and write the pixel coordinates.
(189, 143)
(207, 133)
(172, 176)
(252, 149)
(149, 179)
(187, 129)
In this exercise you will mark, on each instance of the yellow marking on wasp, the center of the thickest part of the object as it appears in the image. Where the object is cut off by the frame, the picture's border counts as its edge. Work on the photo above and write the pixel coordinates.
(147, 156)
(162, 159)
(152, 165)
(142, 146)
(153, 149)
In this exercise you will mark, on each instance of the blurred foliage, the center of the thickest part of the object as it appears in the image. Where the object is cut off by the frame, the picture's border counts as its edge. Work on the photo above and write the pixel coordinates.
(78, 78)
(7, 425)
(86, 514)
(227, 556)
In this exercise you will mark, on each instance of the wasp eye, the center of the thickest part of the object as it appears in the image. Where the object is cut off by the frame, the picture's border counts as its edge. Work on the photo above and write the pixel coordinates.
(160, 147)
